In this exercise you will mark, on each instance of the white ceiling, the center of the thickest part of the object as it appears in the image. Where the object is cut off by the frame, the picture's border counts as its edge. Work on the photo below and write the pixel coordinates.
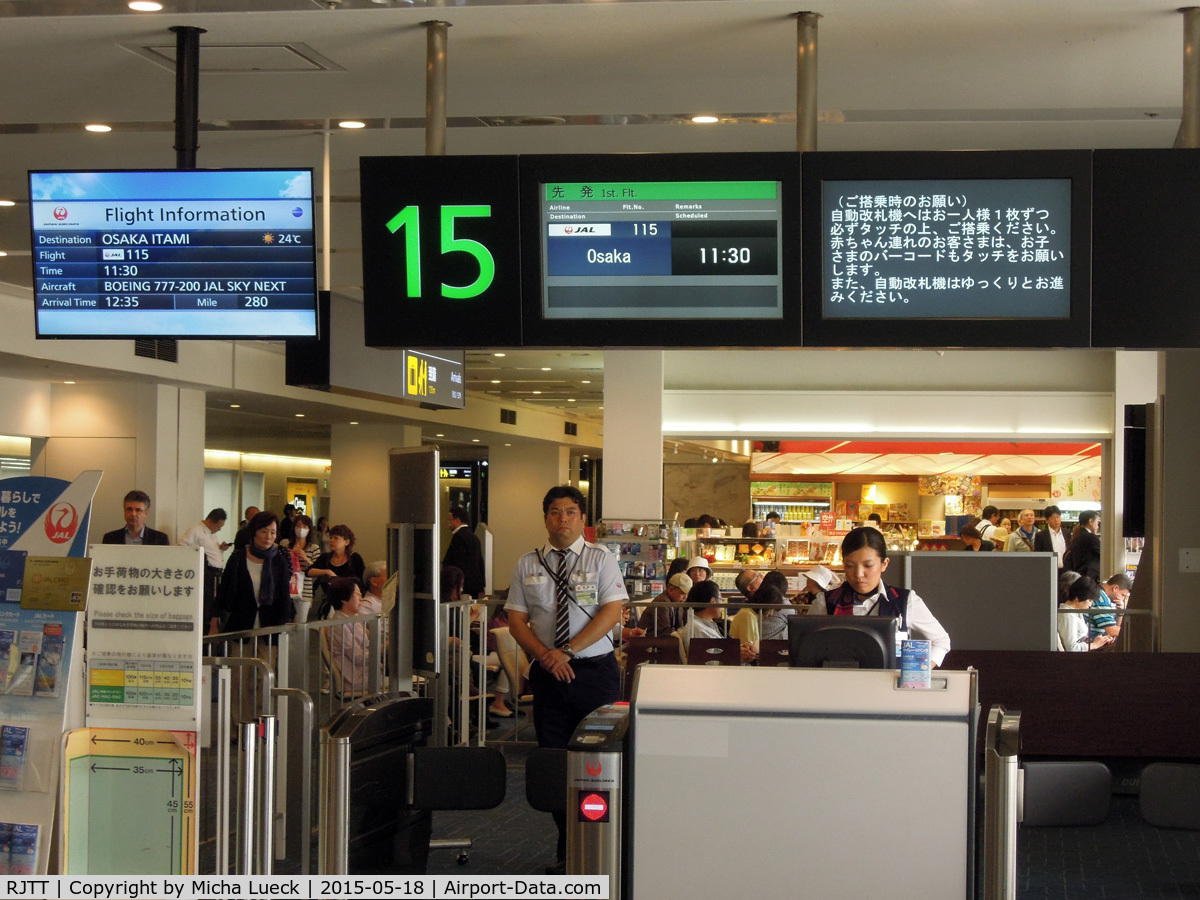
(613, 76)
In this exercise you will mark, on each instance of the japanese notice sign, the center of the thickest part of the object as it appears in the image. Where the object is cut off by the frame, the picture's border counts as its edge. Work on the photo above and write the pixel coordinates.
(952, 248)
(144, 636)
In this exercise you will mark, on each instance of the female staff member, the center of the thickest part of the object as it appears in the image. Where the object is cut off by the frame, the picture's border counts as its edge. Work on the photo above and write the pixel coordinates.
(865, 559)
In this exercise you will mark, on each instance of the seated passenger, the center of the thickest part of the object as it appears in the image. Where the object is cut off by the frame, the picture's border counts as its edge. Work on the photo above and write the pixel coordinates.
(662, 620)
(698, 569)
(1113, 594)
(348, 643)
(1073, 629)
(774, 621)
(703, 619)
(865, 559)
(817, 581)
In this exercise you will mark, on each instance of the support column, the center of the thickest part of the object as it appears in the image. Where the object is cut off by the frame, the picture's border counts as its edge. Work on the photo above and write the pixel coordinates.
(633, 410)
(1177, 491)
(435, 87)
(358, 481)
(519, 476)
(806, 80)
(1189, 127)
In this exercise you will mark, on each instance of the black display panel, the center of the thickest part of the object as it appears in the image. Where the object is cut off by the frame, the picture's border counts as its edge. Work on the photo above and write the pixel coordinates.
(619, 250)
(441, 251)
(173, 253)
(973, 249)
(1145, 220)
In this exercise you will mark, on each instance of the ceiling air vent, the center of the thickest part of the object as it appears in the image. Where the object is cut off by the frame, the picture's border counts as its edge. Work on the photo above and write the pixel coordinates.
(571, 428)
(508, 417)
(165, 350)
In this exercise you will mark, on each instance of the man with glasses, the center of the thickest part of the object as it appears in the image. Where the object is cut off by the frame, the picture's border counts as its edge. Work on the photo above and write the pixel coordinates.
(563, 601)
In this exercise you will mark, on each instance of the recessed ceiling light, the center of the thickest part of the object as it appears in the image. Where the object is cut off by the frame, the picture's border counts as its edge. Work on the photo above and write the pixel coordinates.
(585, 382)
(508, 445)
(68, 382)
(3, 253)
(439, 435)
(474, 440)
(570, 399)
(145, 6)
(352, 123)
(537, 392)
(499, 354)
(299, 415)
(8, 202)
(235, 406)
(545, 368)
(495, 381)
(98, 129)
(353, 423)
(705, 120)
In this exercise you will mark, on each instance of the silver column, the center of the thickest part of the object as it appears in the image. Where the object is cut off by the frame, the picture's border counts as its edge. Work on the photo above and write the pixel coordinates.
(806, 80)
(1000, 804)
(266, 796)
(334, 808)
(247, 797)
(435, 87)
(223, 739)
(298, 815)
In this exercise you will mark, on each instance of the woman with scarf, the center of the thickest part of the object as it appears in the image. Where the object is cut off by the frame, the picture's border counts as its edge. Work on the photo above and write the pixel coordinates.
(254, 588)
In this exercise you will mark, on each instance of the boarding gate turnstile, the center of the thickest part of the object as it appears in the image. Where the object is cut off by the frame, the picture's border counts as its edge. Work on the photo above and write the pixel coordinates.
(595, 808)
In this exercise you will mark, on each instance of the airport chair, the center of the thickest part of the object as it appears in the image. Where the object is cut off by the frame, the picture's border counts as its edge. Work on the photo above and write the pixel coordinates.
(714, 652)
(1170, 795)
(652, 650)
(773, 652)
(515, 664)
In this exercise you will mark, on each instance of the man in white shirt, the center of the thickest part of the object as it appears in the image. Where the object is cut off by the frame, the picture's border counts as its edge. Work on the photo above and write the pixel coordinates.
(375, 576)
(1051, 538)
(204, 535)
(563, 601)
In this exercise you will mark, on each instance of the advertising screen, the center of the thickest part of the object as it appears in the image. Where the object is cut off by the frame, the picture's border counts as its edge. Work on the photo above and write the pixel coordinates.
(174, 253)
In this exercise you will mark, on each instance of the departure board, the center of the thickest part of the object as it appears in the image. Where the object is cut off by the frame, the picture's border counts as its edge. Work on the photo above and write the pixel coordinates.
(174, 253)
(662, 250)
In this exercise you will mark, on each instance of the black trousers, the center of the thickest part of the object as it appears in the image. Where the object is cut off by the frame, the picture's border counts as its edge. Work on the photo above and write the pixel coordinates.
(559, 706)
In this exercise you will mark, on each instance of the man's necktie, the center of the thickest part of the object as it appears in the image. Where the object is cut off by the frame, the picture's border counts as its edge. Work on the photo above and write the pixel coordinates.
(562, 617)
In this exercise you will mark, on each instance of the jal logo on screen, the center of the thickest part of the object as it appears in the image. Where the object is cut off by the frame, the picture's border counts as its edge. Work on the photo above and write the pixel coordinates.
(60, 213)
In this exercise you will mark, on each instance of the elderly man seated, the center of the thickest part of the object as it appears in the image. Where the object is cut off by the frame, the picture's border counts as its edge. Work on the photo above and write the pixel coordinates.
(662, 620)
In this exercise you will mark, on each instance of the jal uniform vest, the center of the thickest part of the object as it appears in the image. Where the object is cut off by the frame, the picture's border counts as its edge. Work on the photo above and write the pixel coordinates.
(893, 603)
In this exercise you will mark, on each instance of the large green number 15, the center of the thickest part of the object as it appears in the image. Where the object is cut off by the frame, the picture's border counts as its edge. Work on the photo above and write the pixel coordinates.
(408, 219)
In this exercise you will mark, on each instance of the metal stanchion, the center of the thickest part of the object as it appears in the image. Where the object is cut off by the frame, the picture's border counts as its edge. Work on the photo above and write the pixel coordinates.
(1000, 804)
(223, 739)
(266, 796)
(300, 814)
(334, 809)
(247, 785)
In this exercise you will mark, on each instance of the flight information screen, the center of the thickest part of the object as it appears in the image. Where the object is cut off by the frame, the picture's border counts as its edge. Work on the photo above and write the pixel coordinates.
(174, 253)
(661, 249)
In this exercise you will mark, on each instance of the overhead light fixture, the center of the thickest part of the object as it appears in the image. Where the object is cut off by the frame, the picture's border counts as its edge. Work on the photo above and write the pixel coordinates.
(474, 440)
(585, 382)
(353, 423)
(570, 399)
(145, 6)
(352, 123)
(439, 435)
(499, 354)
(495, 381)
(68, 382)
(705, 120)
(3, 253)
(8, 202)
(508, 445)
(97, 128)
(235, 406)
(299, 415)
(545, 368)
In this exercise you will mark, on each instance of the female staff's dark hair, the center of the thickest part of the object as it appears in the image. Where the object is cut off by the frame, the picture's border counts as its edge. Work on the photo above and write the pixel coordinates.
(864, 536)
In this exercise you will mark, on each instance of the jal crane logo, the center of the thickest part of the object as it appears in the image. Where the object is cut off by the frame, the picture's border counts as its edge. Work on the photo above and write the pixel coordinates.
(60, 213)
(62, 522)
(594, 768)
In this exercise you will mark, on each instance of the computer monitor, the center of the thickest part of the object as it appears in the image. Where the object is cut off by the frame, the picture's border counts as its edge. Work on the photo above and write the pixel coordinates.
(843, 642)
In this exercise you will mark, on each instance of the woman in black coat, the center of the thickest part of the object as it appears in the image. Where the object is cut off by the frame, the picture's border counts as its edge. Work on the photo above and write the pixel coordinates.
(255, 586)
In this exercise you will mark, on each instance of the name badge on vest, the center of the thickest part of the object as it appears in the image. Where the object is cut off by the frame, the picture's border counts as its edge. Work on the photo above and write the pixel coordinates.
(587, 593)
(536, 579)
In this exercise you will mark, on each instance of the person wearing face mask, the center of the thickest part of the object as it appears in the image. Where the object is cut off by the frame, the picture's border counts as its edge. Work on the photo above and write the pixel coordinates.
(305, 553)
